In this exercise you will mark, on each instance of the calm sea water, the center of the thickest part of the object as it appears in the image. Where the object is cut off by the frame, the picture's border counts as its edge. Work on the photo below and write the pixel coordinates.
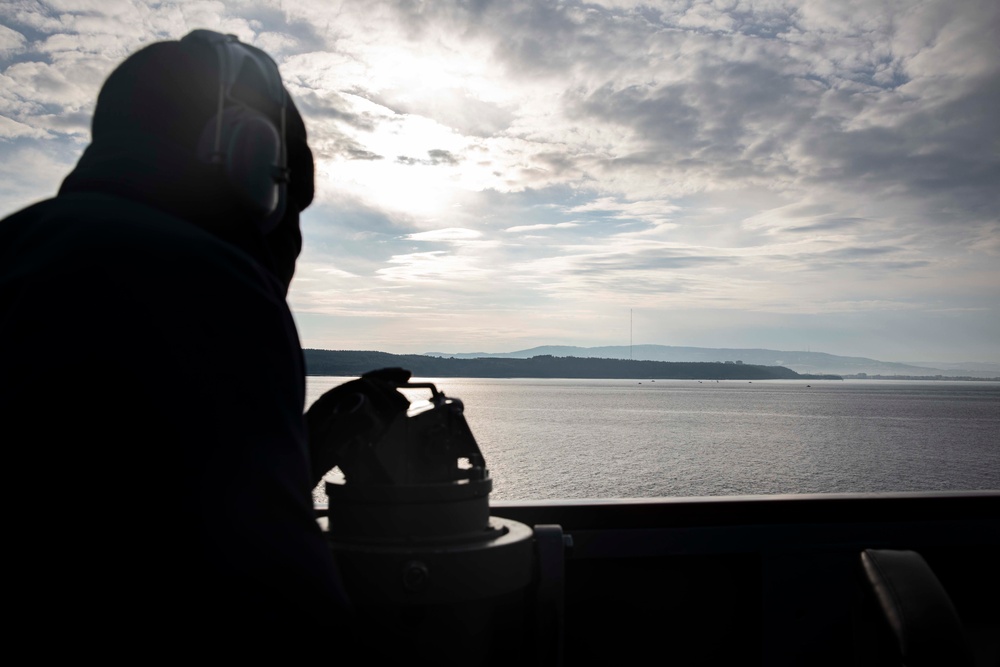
(549, 439)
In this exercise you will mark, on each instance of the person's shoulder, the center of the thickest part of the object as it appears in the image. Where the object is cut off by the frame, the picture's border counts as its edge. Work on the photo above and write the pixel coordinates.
(20, 222)
(106, 233)
(93, 219)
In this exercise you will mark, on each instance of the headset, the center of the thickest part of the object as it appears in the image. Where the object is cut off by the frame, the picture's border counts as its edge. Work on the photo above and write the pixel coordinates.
(240, 138)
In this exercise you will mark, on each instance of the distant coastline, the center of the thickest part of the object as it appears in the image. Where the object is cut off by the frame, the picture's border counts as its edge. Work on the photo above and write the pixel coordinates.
(820, 363)
(926, 378)
(349, 363)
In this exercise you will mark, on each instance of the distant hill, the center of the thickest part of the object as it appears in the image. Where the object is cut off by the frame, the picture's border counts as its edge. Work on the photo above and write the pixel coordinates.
(800, 362)
(351, 363)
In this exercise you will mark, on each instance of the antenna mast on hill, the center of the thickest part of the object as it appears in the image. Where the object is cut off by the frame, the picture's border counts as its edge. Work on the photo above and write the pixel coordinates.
(630, 334)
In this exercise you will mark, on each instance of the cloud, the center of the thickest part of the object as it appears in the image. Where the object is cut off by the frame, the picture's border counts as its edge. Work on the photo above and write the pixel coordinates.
(11, 41)
(778, 157)
(539, 227)
(827, 225)
(433, 266)
(336, 273)
(30, 170)
(449, 234)
(434, 157)
(10, 129)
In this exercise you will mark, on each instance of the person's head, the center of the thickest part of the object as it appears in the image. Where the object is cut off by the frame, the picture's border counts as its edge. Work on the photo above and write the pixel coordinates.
(203, 128)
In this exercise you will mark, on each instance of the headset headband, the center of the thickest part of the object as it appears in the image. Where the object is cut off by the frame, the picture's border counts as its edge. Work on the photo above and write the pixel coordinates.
(232, 56)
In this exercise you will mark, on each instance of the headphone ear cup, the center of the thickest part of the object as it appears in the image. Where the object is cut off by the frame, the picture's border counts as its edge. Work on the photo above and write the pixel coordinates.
(250, 148)
(251, 158)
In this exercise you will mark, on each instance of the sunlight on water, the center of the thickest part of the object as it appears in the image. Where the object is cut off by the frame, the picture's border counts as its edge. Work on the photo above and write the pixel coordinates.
(549, 439)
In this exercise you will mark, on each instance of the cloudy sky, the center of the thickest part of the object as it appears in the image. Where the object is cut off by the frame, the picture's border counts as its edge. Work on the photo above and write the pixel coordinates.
(498, 175)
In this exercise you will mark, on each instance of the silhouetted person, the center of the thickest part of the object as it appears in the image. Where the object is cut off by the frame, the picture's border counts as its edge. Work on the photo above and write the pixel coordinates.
(151, 376)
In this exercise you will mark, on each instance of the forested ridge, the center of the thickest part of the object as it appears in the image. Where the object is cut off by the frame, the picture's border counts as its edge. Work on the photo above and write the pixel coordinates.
(349, 363)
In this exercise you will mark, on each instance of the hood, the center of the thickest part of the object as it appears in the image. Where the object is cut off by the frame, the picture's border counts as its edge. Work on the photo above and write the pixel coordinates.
(149, 117)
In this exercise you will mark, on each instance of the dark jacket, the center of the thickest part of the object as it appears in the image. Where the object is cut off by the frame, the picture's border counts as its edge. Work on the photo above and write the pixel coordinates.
(151, 399)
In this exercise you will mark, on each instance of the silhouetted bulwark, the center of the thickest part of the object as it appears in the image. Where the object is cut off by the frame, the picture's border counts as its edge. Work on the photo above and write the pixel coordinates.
(767, 580)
